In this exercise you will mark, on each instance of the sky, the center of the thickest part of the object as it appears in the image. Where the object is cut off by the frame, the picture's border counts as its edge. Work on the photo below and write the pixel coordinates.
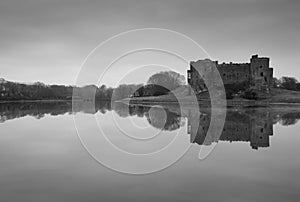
(48, 41)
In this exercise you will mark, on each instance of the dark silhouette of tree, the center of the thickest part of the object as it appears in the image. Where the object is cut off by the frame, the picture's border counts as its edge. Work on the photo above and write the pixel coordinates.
(150, 90)
(289, 83)
(168, 79)
(290, 119)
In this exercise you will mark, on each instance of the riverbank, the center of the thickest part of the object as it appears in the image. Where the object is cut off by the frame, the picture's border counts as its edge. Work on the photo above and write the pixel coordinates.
(277, 97)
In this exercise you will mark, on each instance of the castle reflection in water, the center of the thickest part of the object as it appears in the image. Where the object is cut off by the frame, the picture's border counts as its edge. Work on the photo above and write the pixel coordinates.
(255, 128)
(253, 125)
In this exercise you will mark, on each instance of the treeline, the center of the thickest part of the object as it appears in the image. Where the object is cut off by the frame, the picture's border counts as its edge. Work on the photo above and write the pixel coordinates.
(10, 91)
(137, 90)
(36, 91)
(289, 83)
(158, 84)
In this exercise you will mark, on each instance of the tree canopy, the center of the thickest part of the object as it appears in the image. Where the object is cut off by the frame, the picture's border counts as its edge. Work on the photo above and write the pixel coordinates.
(168, 79)
(285, 82)
(289, 83)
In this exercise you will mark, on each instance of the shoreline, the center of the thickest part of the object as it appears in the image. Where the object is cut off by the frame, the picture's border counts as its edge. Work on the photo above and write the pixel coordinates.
(230, 103)
(153, 101)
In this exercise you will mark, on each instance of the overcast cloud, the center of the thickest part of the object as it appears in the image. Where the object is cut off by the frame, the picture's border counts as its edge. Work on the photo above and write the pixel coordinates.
(47, 40)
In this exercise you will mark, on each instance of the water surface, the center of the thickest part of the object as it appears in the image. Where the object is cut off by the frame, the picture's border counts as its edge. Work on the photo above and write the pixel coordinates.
(255, 159)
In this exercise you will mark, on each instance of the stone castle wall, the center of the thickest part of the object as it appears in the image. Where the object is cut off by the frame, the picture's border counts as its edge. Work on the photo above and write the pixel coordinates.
(256, 74)
(234, 73)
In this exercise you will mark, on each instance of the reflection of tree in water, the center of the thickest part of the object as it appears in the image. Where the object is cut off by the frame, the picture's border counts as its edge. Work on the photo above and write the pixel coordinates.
(170, 119)
(38, 110)
(157, 117)
(253, 125)
(290, 119)
(121, 109)
(161, 117)
(164, 119)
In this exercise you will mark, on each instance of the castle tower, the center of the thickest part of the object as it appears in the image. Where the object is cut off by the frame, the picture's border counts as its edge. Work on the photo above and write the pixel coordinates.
(261, 73)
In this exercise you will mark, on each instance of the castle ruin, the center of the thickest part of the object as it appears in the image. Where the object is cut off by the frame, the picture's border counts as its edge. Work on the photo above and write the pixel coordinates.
(257, 74)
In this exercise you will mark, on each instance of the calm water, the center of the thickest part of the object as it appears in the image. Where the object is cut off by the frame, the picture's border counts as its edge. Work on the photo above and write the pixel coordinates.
(256, 158)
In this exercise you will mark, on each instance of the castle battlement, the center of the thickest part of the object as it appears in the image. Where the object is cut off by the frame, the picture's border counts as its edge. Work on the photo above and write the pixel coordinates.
(231, 63)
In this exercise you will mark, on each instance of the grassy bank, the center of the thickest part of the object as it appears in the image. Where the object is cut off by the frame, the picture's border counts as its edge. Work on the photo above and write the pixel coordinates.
(277, 96)
(284, 96)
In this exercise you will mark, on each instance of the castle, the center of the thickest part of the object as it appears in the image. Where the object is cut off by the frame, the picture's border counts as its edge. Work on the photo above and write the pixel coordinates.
(257, 74)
